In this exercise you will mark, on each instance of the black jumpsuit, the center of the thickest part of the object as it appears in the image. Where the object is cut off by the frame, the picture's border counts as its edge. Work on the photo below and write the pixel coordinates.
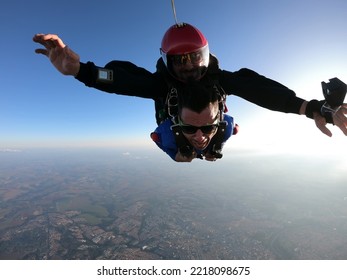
(132, 80)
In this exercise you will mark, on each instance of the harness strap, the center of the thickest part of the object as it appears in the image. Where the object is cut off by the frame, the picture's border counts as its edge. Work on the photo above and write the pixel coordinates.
(165, 108)
(184, 147)
(217, 140)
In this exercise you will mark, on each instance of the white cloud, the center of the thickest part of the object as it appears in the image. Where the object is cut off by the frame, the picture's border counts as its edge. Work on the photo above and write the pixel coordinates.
(5, 150)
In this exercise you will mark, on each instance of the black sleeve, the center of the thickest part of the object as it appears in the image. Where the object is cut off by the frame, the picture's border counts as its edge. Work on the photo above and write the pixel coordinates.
(128, 79)
(260, 90)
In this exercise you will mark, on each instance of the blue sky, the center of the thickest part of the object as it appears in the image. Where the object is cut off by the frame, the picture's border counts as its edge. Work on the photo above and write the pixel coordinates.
(298, 43)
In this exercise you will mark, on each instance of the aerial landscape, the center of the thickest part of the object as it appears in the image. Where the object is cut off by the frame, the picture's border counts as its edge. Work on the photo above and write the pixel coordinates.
(110, 204)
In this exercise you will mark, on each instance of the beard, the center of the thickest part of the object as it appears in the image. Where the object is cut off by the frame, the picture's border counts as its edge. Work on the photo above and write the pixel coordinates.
(191, 75)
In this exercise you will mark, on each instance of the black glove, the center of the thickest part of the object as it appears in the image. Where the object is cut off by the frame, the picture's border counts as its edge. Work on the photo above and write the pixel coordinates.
(318, 107)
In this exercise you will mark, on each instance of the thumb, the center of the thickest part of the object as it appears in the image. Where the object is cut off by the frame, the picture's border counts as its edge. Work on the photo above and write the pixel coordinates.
(325, 130)
(321, 124)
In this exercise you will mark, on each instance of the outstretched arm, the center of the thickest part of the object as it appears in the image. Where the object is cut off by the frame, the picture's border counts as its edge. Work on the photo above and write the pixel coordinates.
(129, 79)
(61, 56)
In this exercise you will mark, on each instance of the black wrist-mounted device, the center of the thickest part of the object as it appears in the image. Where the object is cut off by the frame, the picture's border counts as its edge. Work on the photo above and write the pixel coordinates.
(334, 93)
(104, 75)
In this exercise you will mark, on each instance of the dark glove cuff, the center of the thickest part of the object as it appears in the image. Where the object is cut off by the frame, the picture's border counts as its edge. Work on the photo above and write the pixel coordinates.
(316, 106)
(87, 73)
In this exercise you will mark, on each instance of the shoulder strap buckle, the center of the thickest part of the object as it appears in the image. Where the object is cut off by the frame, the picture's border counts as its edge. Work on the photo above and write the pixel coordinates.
(172, 102)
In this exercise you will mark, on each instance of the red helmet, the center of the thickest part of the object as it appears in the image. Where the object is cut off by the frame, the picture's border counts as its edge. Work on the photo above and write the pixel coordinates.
(185, 52)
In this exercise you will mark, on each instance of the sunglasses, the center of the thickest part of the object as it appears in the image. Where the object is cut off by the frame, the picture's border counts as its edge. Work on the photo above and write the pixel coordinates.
(193, 58)
(205, 129)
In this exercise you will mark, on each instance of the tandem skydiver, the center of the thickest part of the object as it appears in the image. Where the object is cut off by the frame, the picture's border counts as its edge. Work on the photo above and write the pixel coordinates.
(185, 58)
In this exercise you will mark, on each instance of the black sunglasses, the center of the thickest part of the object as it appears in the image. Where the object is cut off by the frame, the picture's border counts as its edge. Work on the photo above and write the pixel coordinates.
(205, 129)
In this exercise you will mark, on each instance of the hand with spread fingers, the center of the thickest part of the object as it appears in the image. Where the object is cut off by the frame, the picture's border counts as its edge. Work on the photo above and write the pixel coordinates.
(62, 57)
(339, 118)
